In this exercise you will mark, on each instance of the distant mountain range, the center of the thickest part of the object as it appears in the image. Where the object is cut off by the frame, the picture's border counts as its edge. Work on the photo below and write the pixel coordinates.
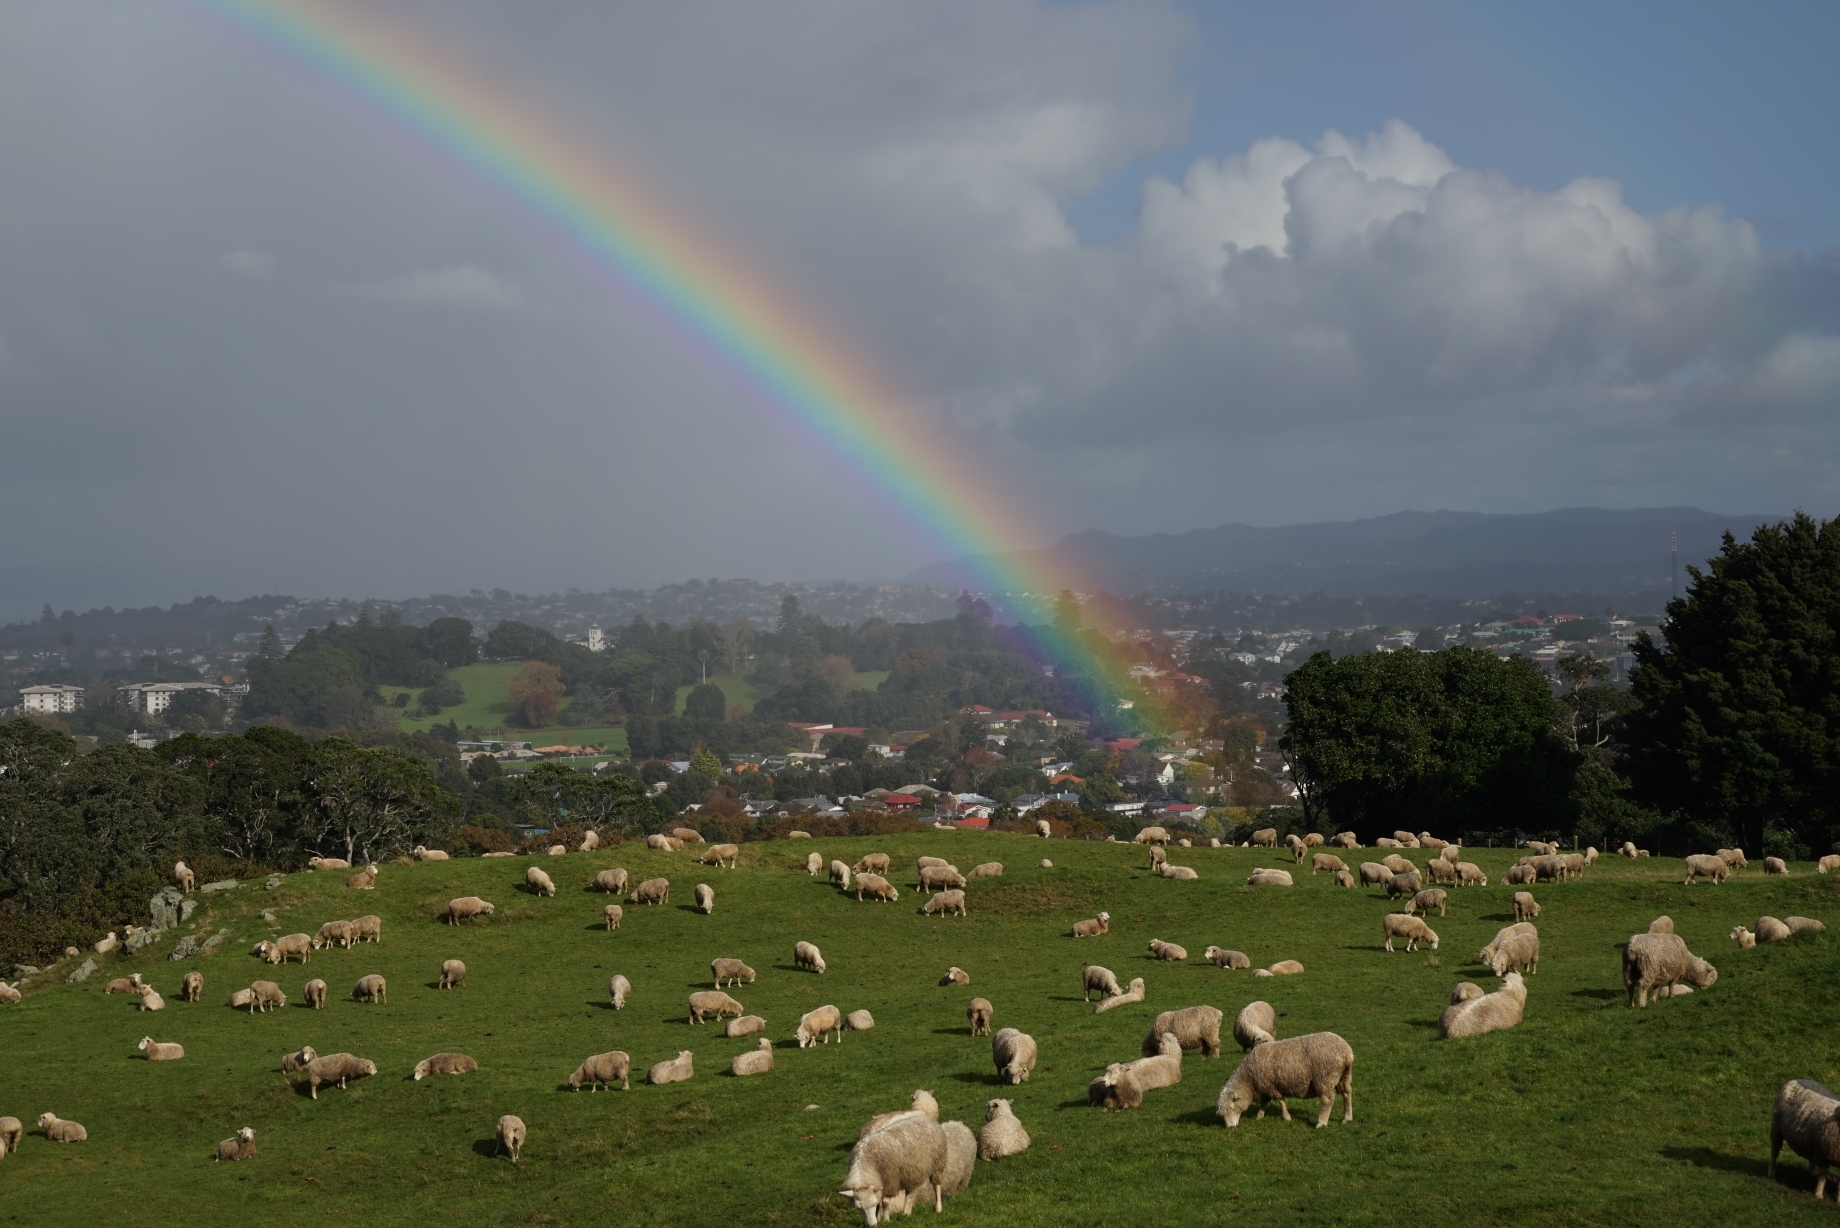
(1436, 554)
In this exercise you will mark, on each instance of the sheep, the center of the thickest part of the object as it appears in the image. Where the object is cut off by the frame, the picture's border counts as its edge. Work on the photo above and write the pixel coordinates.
(1326, 861)
(1115, 1089)
(890, 1166)
(9, 994)
(243, 999)
(689, 835)
(1572, 865)
(1346, 840)
(1440, 871)
(1828, 864)
(1133, 993)
(590, 840)
(328, 863)
(281, 949)
(1374, 874)
(1256, 1024)
(1487, 953)
(1102, 979)
(1100, 924)
(1124, 1083)
(1526, 908)
(980, 1012)
(987, 869)
(1701, 865)
(1284, 967)
(1313, 839)
(1743, 937)
(124, 984)
(934, 878)
(511, 1134)
(840, 874)
(427, 854)
(1661, 925)
(613, 914)
(445, 1063)
(152, 1001)
(1265, 876)
(1154, 835)
(1404, 925)
(728, 857)
(612, 881)
(924, 860)
(1405, 884)
(1469, 874)
(805, 955)
(453, 974)
(757, 1062)
(813, 863)
(878, 888)
(922, 1105)
(705, 898)
(1043, 828)
(367, 929)
(1650, 960)
(1002, 1134)
(370, 988)
(538, 882)
(161, 1051)
(859, 1021)
(1220, 957)
(679, 1069)
(331, 932)
(1628, 849)
(1540, 846)
(1045, 864)
(651, 891)
(556, 850)
(945, 903)
(798, 835)
(1798, 924)
(617, 989)
(747, 1025)
(1398, 864)
(1184, 873)
(1522, 951)
(338, 1068)
(191, 986)
(663, 843)
(871, 863)
(1167, 951)
(1194, 1027)
(823, 1022)
(730, 972)
(1406, 839)
(1387, 842)
(468, 906)
(955, 976)
(265, 995)
(1732, 857)
(713, 1003)
(290, 1062)
(1295, 844)
(11, 1131)
(363, 880)
(1265, 837)
(314, 993)
(108, 942)
(1453, 853)
(60, 1131)
(1428, 899)
(1807, 1117)
(1319, 1064)
(1014, 1054)
(1775, 865)
(1473, 1015)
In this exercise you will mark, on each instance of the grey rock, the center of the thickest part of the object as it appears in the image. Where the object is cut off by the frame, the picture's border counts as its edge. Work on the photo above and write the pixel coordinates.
(83, 972)
(228, 884)
(22, 971)
(274, 880)
(140, 940)
(186, 949)
(214, 941)
(268, 915)
(166, 908)
(186, 910)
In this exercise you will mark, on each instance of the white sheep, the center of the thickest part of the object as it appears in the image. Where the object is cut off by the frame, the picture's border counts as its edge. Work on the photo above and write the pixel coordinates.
(363, 880)
(1167, 951)
(60, 1131)
(11, 1131)
(613, 914)
(161, 1051)
(338, 1068)
(922, 1105)
(805, 955)
(813, 863)
(1093, 928)
(612, 881)
(757, 1062)
(426, 854)
(1526, 908)
(1428, 899)
(314, 993)
(1476, 1013)
(1102, 979)
(713, 1003)
(1014, 1054)
(725, 971)
(290, 1062)
(840, 874)
(651, 891)
(1320, 1064)
(1775, 865)
(511, 1134)
(241, 1147)
(679, 1069)
(1002, 1135)
(747, 1025)
(1651, 960)
(1194, 1027)
(371, 988)
(890, 1166)
(1704, 865)
(987, 869)
(1221, 957)
(945, 903)
(979, 1012)
(955, 976)
(328, 863)
(539, 882)
(728, 856)
(824, 1022)
(1828, 864)
(617, 989)
(1519, 953)
(453, 974)
(859, 1021)
(444, 1063)
(1181, 873)
(1807, 1117)
(9, 994)
(603, 1069)
(1133, 993)
(1256, 1024)
(1404, 925)
(878, 887)
(466, 906)
(705, 898)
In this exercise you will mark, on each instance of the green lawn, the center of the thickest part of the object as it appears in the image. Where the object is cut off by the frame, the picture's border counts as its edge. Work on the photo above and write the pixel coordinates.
(488, 703)
(1588, 1113)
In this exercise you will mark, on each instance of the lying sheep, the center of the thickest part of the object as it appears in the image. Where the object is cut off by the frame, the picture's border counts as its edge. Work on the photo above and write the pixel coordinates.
(445, 1063)
(161, 1051)
(290, 1062)
(824, 1022)
(747, 1025)
(1284, 967)
(60, 1131)
(1387, 842)
(613, 914)
(243, 999)
(713, 1004)
(241, 1147)
(1346, 840)
(611, 881)
(1426, 900)
(1256, 1024)
(1807, 1117)
(1100, 924)
(955, 976)
(728, 856)
(1180, 873)
(124, 984)
(539, 882)
(1326, 861)
(760, 1061)
(1775, 865)
(1798, 924)
(1474, 1014)
(680, 1069)
(890, 1166)
(1540, 846)
(651, 891)
(878, 887)
(1167, 951)
(1404, 925)
(108, 942)
(840, 874)
(1220, 957)
(370, 989)
(1406, 839)
(1194, 1027)
(1265, 876)
(805, 955)
(152, 1001)
(1102, 979)
(1133, 993)
(798, 835)
(945, 903)
(511, 1134)
(363, 880)
(468, 906)
(1519, 953)
(1320, 1064)
(705, 898)
(1123, 1084)
(922, 1105)
(988, 869)
(1374, 874)
(1014, 1054)
(1703, 865)
(663, 843)
(1002, 1135)
(338, 1068)
(859, 1021)
(726, 971)
(871, 863)
(426, 854)
(617, 989)
(1651, 960)
(328, 863)
(1045, 864)
(556, 850)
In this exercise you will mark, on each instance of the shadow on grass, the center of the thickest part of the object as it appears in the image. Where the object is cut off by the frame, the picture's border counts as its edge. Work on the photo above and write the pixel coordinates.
(982, 1080)
(487, 1147)
(1602, 995)
(952, 1031)
(1197, 1117)
(1497, 916)
(605, 1004)
(1705, 1157)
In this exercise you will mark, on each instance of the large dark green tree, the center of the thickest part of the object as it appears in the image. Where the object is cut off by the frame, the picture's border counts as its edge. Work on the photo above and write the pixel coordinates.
(1739, 729)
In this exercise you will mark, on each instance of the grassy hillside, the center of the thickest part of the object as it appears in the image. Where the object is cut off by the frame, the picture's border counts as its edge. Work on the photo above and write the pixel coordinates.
(488, 704)
(1588, 1113)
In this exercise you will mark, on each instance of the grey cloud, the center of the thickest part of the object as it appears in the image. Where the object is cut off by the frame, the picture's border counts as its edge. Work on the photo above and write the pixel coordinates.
(462, 287)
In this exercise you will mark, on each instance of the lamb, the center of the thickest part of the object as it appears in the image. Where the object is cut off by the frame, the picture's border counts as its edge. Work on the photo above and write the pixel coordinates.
(651, 891)
(1002, 1134)
(1404, 925)
(427, 854)
(805, 955)
(1100, 924)
(338, 1068)
(1515, 875)
(511, 1134)
(1650, 960)
(613, 881)
(1526, 908)
(1135, 993)
(1168, 951)
(315, 993)
(859, 1021)
(617, 989)
(713, 1003)
(1220, 957)
(747, 1025)
(945, 903)
(124, 984)
(1265, 876)
(758, 1062)
(1405, 884)
(728, 856)
(1256, 1024)
(191, 986)
(1828, 864)
(1426, 900)
(445, 1063)
(813, 863)
(840, 874)
(328, 863)
(340, 932)
(1469, 874)
(613, 914)
(370, 988)
(1155, 835)
(1775, 865)
(705, 898)
(1807, 1117)
(1522, 951)
(1319, 1064)
(1265, 837)
(1475, 1014)
(1102, 979)
(878, 887)
(108, 942)
(955, 976)
(161, 1051)
(1014, 1054)
(934, 878)
(890, 1166)
(1326, 861)
(922, 1105)
(1374, 874)
(871, 863)
(468, 906)
(60, 1131)
(730, 972)
(679, 1069)
(979, 1012)
(1701, 865)
(823, 1022)
(987, 869)
(363, 880)
(539, 882)
(1187, 873)
(1346, 840)
(1194, 1027)
(290, 1062)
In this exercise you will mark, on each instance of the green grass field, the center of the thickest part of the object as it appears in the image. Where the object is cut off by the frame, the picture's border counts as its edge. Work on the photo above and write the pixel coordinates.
(488, 703)
(1588, 1113)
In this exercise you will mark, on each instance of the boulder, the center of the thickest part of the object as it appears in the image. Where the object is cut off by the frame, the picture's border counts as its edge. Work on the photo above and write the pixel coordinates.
(83, 972)
(214, 941)
(187, 949)
(141, 939)
(22, 971)
(228, 884)
(165, 908)
(274, 880)
(268, 915)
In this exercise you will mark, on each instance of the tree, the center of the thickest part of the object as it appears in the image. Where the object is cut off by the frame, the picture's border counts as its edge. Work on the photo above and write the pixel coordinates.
(536, 692)
(251, 789)
(791, 619)
(1739, 728)
(516, 641)
(271, 644)
(706, 703)
(1067, 612)
(369, 804)
(706, 762)
(1589, 708)
(450, 641)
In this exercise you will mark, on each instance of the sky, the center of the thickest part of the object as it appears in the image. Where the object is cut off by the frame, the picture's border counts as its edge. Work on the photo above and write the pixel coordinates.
(1141, 266)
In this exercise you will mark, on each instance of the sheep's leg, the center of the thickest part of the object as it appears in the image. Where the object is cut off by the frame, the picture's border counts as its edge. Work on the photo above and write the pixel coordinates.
(1328, 1107)
(1284, 1109)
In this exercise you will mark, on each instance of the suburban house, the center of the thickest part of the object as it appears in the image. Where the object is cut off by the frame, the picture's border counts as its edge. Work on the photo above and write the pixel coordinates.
(54, 697)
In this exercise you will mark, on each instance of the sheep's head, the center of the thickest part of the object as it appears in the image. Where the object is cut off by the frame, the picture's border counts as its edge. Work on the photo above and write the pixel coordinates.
(1168, 1046)
(145, 1041)
(1434, 938)
(1105, 916)
(1234, 1101)
(994, 1109)
(1743, 937)
(1702, 974)
(246, 1135)
(422, 1070)
(1137, 986)
(868, 1199)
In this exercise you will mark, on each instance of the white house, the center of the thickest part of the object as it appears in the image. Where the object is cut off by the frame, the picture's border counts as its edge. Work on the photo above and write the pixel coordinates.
(153, 697)
(56, 697)
(597, 642)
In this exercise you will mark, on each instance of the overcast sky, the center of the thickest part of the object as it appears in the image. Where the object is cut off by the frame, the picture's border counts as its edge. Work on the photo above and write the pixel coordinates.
(1154, 266)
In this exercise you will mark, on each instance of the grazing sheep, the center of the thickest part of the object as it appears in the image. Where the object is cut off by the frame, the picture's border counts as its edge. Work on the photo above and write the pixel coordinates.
(922, 1105)
(1095, 977)
(840, 874)
(1167, 951)
(1519, 953)
(328, 863)
(1441, 871)
(1186, 873)
(1100, 924)
(813, 863)
(453, 974)
(539, 882)
(338, 1068)
(590, 840)
(161, 1051)
(1775, 865)
(1284, 967)
(1828, 864)
(1346, 840)
(1701, 865)
(1014, 1054)
(511, 1135)
(1487, 953)
(445, 1063)
(265, 996)
(1134, 993)
(1194, 1027)
(1002, 1134)
(1651, 960)
(1256, 1024)
(988, 869)
(859, 1021)
(1516, 875)
(1453, 853)
(617, 989)
(341, 932)
(945, 903)
(1153, 835)
(1428, 899)
(370, 988)
(805, 955)
(556, 850)
(124, 984)
(1374, 874)
(1405, 884)
(1220, 957)
(290, 1062)
(705, 898)
(11, 1131)
(1326, 861)
(363, 880)
(728, 856)
(468, 906)
(1319, 1064)
(1398, 864)
(1313, 840)
(425, 854)
(191, 986)
(980, 1012)
(758, 1062)
(891, 1166)
(60, 1131)
(1469, 874)
(651, 891)
(1526, 908)
(1732, 857)
(679, 1069)
(823, 1022)
(1265, 838)
(613, 914)
(1387, 842)
(1343, 878)
(730, 972)
(1043, 828)
(1807, 1117)
(183, 878)
(282, 949)
(1472, 1012)
(1265, 876)
(747, 1025)
(611, 881)
(314, 993)
(1661, 925)
(871, 863)
(1295, 844)
(663, 843)
(1404, 925)
(935, 878)
(878, 888)
(955, 976)
(713, 1003)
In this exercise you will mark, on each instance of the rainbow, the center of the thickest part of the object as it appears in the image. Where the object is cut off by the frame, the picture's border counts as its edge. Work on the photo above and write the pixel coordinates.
(707, 297)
